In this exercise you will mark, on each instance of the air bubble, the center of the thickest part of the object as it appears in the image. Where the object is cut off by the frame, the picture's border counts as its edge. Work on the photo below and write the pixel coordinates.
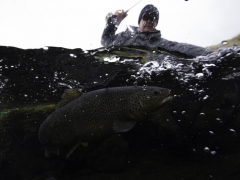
(73, 55)
(206, 149)
(111, 59)
(211, 132)
(199, 76)
(213, 152)
(205, 97)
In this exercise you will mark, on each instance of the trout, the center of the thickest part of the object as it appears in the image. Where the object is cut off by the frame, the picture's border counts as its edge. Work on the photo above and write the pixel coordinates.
(97, 114)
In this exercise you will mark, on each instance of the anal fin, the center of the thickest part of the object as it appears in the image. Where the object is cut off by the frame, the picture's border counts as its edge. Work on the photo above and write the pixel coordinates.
(50, 151)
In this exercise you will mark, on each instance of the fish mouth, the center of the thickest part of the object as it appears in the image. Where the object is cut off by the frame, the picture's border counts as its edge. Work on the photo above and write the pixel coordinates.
(167, 99)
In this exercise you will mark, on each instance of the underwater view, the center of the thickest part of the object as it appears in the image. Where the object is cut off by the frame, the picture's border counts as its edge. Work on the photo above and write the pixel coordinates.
(193, 133)
(120, 90)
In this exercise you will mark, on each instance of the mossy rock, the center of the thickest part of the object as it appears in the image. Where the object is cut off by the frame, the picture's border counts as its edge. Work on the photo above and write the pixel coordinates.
(235, 41)
(20, 147)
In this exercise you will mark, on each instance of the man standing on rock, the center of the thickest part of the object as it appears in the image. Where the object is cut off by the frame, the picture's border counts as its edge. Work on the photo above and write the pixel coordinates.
(145, 34)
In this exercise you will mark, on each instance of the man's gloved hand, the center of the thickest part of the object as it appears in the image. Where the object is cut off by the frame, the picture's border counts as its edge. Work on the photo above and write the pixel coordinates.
(120, 15)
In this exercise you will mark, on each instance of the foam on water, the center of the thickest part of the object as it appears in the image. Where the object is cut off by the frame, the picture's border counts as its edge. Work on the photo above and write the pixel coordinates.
(198, 68)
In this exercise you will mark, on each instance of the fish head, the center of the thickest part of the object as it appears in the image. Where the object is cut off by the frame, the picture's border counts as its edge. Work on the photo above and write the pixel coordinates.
(148, 100)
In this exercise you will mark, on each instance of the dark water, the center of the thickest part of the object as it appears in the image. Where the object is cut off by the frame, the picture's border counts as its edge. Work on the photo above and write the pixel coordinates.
(195, 137)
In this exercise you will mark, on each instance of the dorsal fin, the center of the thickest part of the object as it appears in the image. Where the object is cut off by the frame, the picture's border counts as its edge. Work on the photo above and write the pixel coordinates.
(68, 96)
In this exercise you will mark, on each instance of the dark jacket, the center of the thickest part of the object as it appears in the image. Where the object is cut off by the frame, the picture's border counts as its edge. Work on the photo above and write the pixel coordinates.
(150, 39)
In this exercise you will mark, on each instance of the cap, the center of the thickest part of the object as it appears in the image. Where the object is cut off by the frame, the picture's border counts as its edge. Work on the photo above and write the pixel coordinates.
(148, 9)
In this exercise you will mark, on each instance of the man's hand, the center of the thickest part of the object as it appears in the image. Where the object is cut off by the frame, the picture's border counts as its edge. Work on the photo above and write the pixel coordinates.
(120, 14)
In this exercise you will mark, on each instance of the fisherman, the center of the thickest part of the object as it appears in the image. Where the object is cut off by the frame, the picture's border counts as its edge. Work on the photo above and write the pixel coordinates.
(145, 34)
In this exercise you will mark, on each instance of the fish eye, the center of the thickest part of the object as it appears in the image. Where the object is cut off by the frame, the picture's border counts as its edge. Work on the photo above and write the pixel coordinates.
(156, 92)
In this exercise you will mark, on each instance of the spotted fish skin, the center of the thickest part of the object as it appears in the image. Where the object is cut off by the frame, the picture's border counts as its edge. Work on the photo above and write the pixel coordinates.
(97, 114)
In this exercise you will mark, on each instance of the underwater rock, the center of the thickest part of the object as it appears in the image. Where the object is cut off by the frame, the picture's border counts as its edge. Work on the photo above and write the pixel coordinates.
(19, 147)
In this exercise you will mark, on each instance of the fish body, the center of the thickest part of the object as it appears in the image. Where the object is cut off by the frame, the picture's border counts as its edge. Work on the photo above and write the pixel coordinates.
(98, 113)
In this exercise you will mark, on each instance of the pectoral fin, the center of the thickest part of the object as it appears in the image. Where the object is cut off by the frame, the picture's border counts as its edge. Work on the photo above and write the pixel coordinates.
(72, 149)
(123, 126)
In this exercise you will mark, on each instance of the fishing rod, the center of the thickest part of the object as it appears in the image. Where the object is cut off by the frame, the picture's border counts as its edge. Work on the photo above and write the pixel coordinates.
(110, 14)
(133, 6)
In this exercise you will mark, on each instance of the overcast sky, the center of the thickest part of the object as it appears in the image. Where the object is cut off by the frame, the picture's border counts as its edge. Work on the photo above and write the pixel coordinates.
(80, 23)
